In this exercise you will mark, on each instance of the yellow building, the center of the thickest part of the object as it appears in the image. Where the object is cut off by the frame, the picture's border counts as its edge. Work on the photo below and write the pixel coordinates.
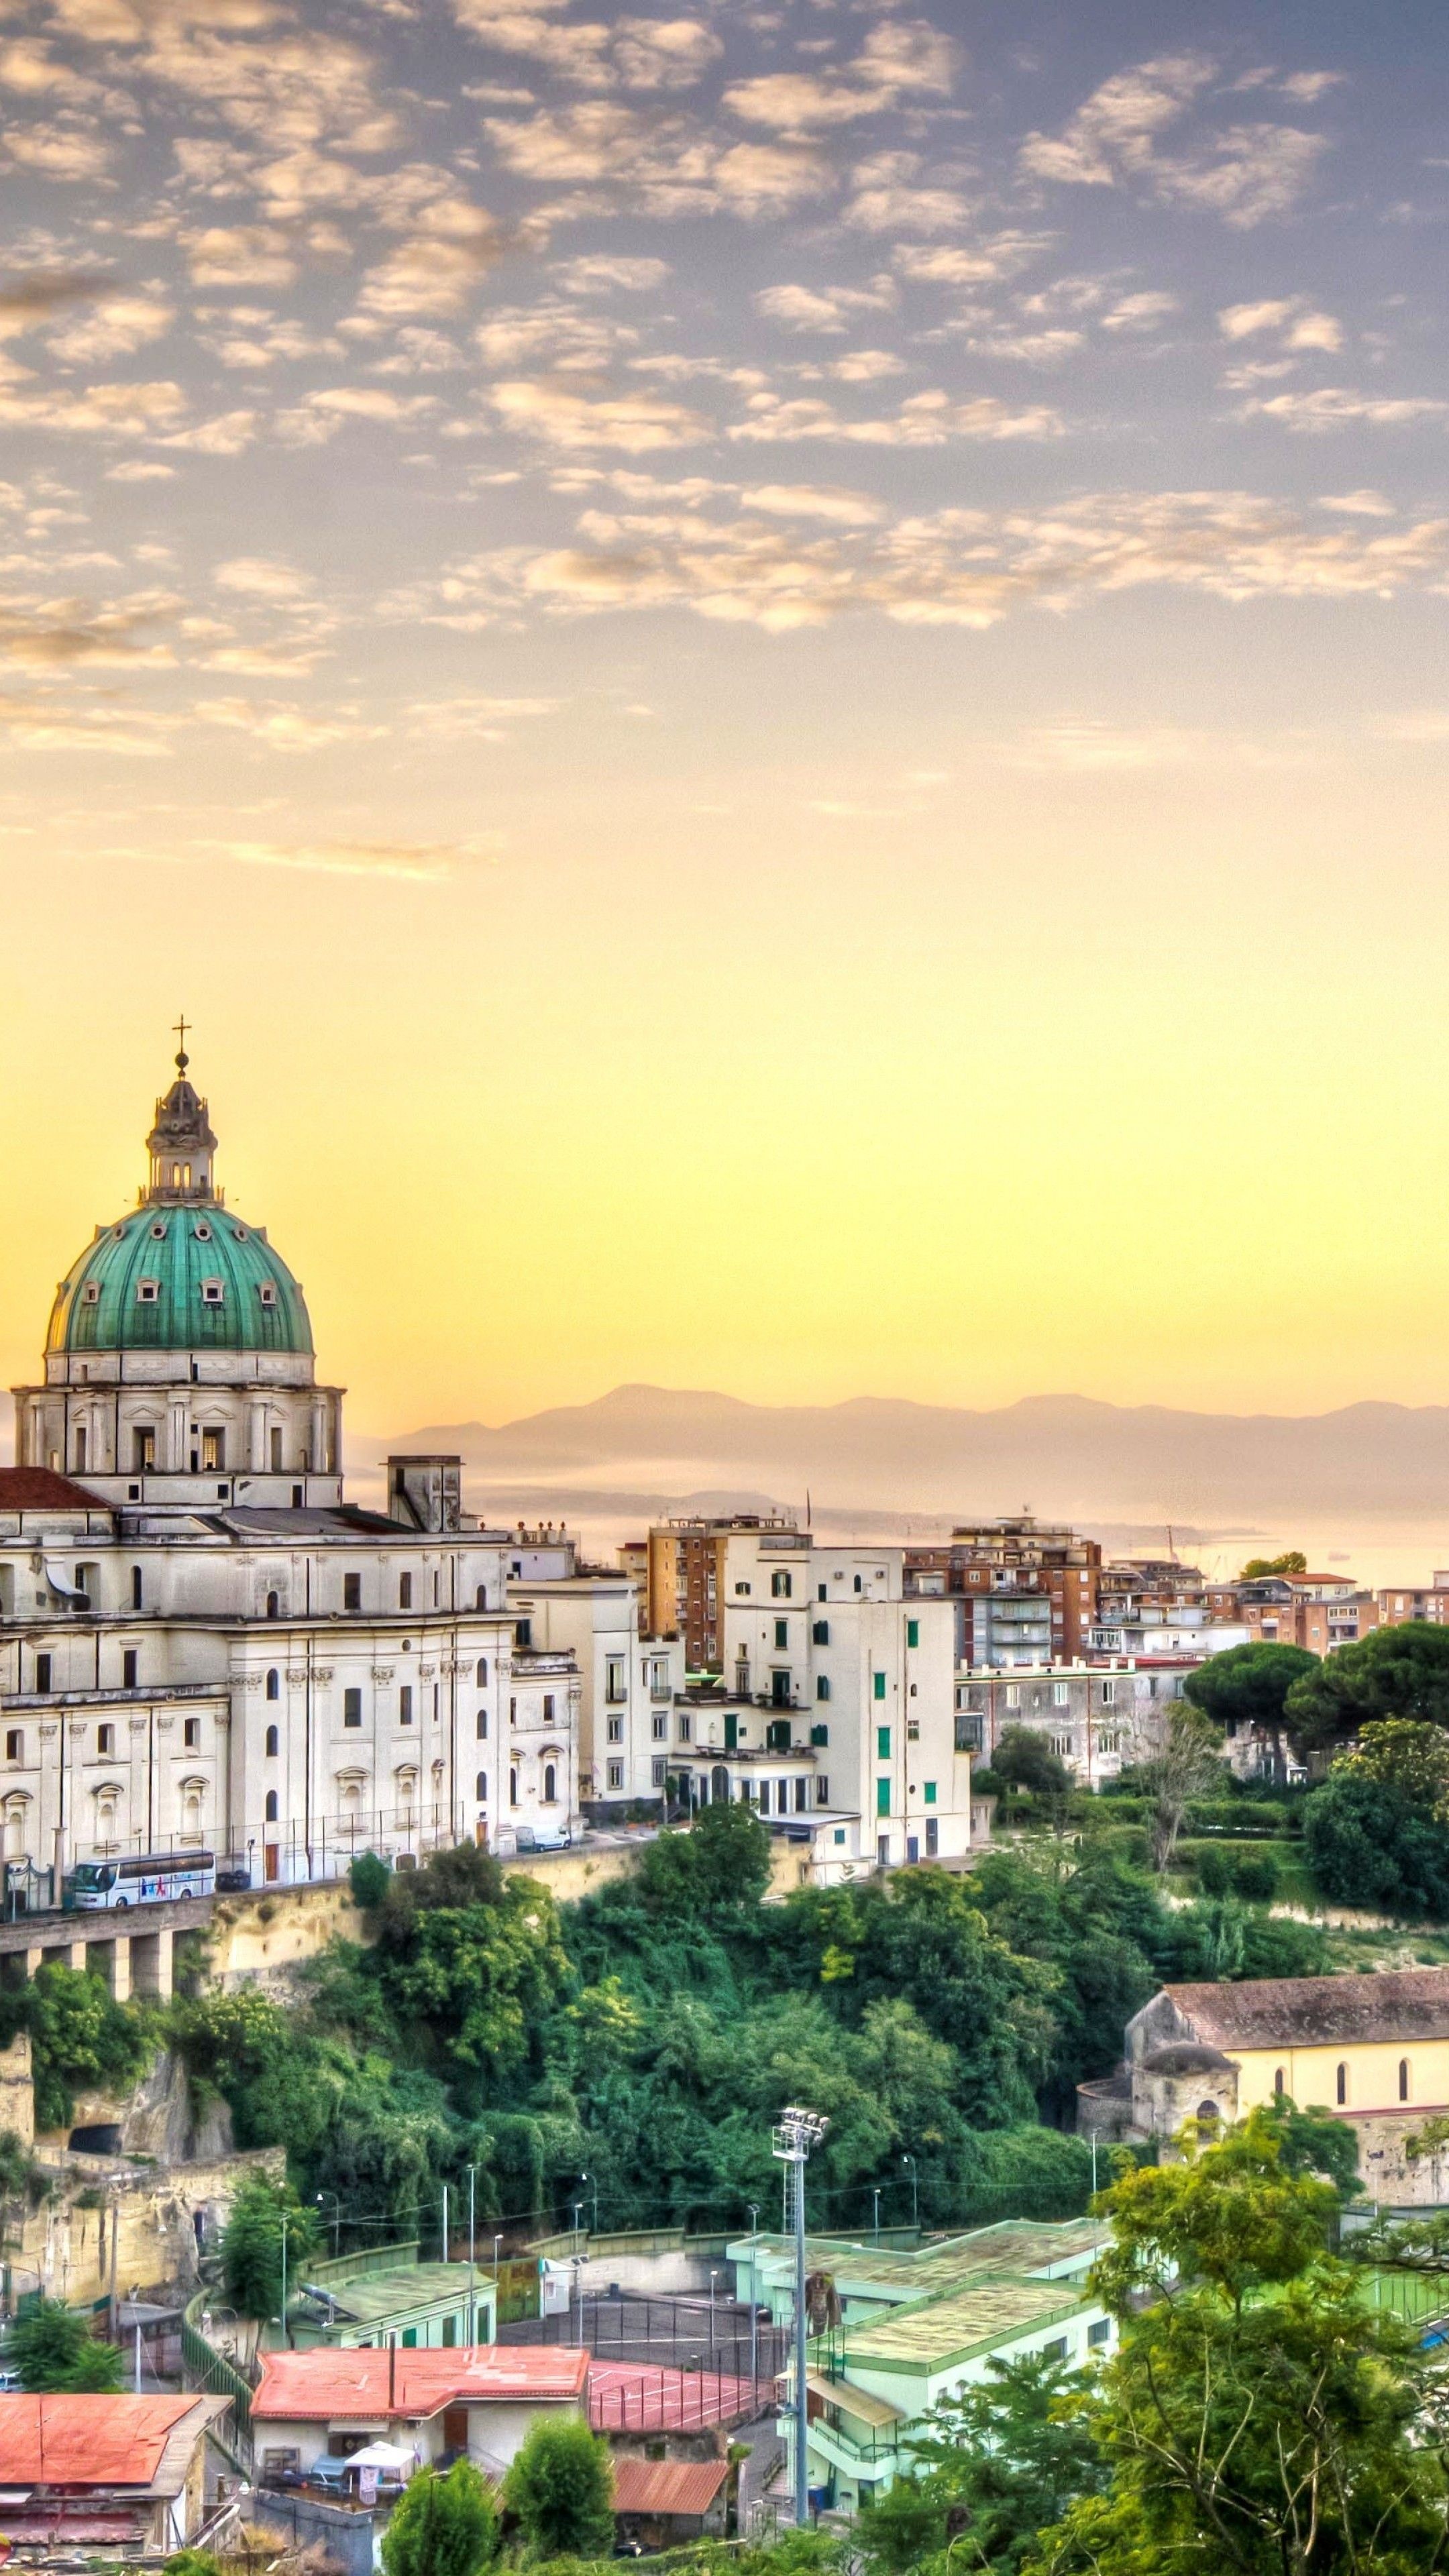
(1374, 2050)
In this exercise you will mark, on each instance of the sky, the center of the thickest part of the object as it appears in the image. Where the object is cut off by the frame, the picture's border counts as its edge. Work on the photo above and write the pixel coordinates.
(772, 681)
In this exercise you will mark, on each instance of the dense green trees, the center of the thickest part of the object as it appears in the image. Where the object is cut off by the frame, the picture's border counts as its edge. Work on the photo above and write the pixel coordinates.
(80, 2038)
(1393, 1672)
(560, 2489)
(997, 2464)
(53, 2348)
(1259, 2416)
(252, 2248)
(444, 2524)
(1249, 1686)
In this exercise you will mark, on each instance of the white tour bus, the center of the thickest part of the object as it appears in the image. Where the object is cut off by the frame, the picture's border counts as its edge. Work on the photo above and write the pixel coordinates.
(147, 1878)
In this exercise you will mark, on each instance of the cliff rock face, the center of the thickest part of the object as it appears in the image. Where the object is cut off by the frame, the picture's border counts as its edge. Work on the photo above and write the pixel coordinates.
(159, 2119)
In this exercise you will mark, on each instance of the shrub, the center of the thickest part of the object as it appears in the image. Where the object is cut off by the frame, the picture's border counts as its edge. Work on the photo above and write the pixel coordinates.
(561, 2488)
(367, 1880)
(443, 2526)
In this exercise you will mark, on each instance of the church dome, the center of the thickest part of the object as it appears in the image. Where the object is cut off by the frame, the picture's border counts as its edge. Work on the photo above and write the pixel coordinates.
(181, 1273)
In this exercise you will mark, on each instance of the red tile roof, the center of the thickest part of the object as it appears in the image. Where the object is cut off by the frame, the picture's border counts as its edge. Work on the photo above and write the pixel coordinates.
(39, 1489)
(324, 2383)
(87, 2441)
(667, 2486)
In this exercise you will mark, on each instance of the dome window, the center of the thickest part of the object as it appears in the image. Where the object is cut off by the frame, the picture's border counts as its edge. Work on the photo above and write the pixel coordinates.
(213, 1292)
(158, 1233)
(203, 1234)
(238, 1234)
(148, 1292)
(91, 1293)
(267, 1293)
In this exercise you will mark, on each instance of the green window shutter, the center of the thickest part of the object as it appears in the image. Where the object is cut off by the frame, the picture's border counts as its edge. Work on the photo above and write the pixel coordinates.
(913, 1632)
(882, 1744)
(878, 1681)
(882, 1797)
(930, 1793)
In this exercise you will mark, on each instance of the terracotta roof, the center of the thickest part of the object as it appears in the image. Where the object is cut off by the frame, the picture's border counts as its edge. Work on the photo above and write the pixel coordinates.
(39, 1489)
(1307, 2012)
(325, 2383)
(92, 2441)
(667, 2486)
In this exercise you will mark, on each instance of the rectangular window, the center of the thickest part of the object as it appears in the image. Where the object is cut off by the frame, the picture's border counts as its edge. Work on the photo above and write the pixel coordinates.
(405, 1705)
(352, 1592)
(657, 1771)
(42, 1672)
(523, 1632)
(1061, 1694)
(1099, 2330)
(130, 1668)
(548, 1708)
(913, 1730)
(616, 1730)
(882, 1744)
(930, 1793)
(352, 1708)
(882, 1797)
(802, 1796)
(877, 1685)
(782, 1635)
(822, 1790)
(136, 1588)
(839, 1835)
(1056, 2350)
(191, 1731)
(661, 1729)
(405, 1592)
(213, 1452)
(684, 1730)
(913, 1632)
(14, 1744)
(820, 1633)
(616, 1775)
(614, 1684)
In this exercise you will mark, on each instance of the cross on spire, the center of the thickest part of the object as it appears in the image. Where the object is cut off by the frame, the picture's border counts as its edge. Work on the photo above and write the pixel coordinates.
(182, 1058)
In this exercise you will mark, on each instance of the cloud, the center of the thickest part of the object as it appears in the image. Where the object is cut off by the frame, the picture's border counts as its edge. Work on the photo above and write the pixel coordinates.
(1364, 504)
(1338, 407)
(889, 198)
(999, 255)
(96, 411)
(120, 325)
(1140, 312)
(71, 634)
(1243, 174)
(285, 728)
(664, 53)
(475, 719)
(826, 309)
(896, 62)
(240, 255)
(925, 420)
(949, 567)
(437, 267)
(28, 301)
(524, 334)
(811, 501)
(65, 152)
(415, 862)
(33, 724)
(665, 166)
(259, 577)
(1291, 318)
(635, 424)
(599, 272)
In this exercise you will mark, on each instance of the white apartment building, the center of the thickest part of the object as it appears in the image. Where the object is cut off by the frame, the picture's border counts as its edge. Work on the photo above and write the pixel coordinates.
(627, 1683)
(202, 1644)
(837, 1669)
(1094, 1720)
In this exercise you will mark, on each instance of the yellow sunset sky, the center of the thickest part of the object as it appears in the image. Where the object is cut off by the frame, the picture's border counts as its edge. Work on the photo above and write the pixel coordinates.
(772, 683)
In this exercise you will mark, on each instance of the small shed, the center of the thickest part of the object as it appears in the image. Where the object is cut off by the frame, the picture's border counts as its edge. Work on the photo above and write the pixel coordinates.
(660, 2502)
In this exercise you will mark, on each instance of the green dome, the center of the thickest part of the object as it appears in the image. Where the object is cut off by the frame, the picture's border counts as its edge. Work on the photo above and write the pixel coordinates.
(185, 1277)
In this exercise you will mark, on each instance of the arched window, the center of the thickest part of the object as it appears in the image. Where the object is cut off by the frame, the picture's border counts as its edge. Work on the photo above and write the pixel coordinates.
(482, 1602)
(1341, 2089)
(780, 1584)
(513, 1788)
(271, 1811)
(482, 1725)
(1279, 2084)
(550, 1785)
(482, 1788)
(274, 1741)
(1207, 2111)
(274, 1684)
(482, 1672)
(719, 1785)
(274, 1605)
(1403, 2079)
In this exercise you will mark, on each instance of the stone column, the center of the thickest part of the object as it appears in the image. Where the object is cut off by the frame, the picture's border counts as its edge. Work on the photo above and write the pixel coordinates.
(151, 1963)
(119, 1979)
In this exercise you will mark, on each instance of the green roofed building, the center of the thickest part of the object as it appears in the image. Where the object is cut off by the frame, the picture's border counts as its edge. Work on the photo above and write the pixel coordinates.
(388, 2296)
(918, 2324)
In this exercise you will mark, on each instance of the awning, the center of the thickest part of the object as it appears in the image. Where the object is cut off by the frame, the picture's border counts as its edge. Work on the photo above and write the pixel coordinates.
(58, 1583)
(851, 2400)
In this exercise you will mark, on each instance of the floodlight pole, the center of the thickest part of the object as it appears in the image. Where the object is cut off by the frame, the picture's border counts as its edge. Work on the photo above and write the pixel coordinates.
(797, 2133)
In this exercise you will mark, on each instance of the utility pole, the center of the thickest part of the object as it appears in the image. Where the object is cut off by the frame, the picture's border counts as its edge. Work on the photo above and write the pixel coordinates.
(875, 2196)
(754, 2302)
(284, 2281)
(444, 2255)
(915, 2194)
(472, 2273)
(797, 2133)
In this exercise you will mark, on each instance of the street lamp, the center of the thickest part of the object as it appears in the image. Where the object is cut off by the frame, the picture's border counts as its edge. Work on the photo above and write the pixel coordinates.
(915, 2193)
(714, 2276)
(472, 2271)
(336, 2219)
(754, 2209)
(797, 2133)
(592, 2182)
(875, 2224)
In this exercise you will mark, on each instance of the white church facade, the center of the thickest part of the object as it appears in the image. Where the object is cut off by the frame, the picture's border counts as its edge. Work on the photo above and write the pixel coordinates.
(203, 1645)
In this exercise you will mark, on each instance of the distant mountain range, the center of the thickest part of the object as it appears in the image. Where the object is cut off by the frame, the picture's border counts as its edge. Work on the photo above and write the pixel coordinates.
(643, 1448)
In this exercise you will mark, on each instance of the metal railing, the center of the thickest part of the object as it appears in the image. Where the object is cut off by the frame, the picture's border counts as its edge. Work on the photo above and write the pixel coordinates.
(214, 2374)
